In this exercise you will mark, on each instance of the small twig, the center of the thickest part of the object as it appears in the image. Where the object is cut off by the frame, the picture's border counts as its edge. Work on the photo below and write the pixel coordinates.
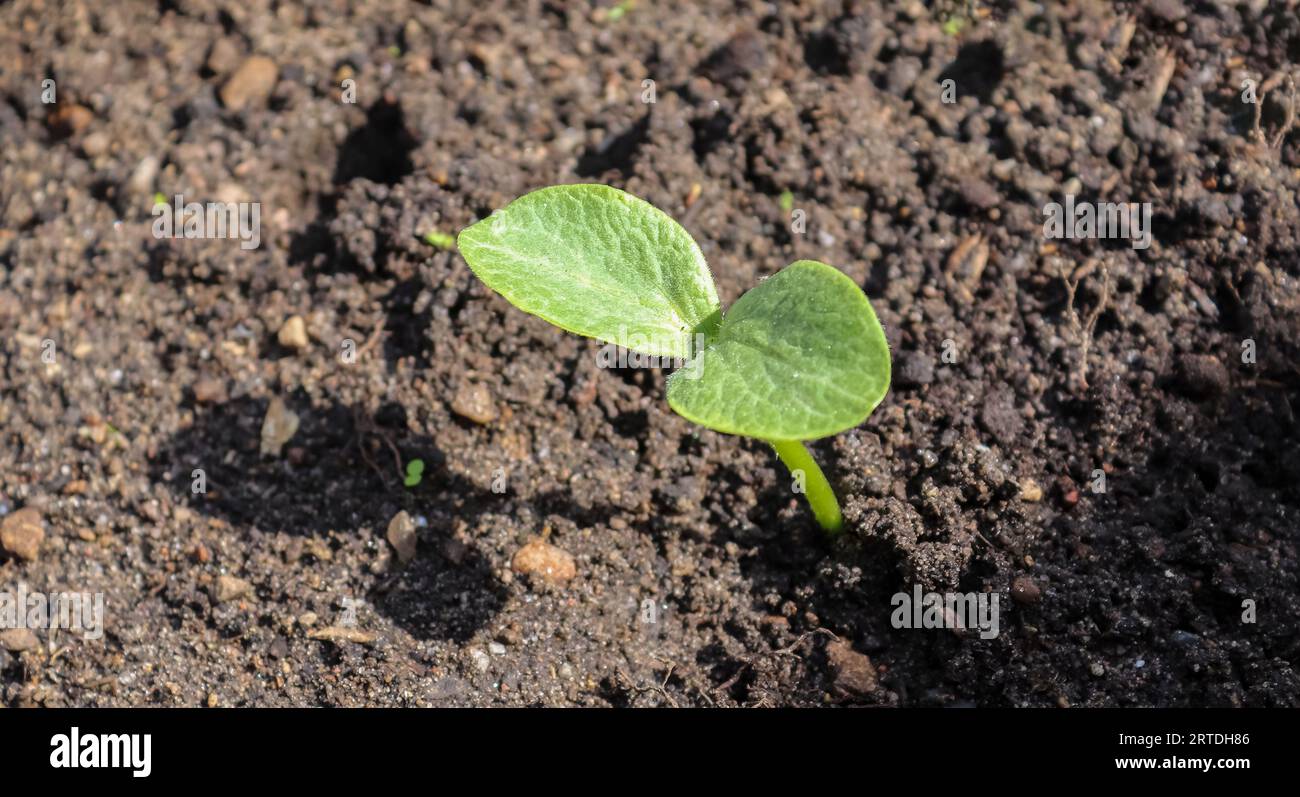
(375, 336)
(1289, 121)
(1166, 63)
(661, 688)
(1083, 331)
(789, 651)
(1255, 131)
(786, 651)
(366, 428)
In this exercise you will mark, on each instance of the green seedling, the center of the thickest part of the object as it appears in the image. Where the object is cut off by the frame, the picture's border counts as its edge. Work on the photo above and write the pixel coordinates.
(786, 201)
(799, 357)
(414, 472)
(439, 240)
(615, 13)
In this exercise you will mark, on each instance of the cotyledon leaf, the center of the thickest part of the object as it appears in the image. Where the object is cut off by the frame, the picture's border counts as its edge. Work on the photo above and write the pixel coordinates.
(798, 357)
(599, 262)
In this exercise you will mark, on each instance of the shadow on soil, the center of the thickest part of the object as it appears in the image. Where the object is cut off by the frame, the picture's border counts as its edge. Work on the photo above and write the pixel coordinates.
(343, 470)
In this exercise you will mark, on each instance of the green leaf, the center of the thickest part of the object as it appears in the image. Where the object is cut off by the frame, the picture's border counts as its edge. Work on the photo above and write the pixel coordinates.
(599, 262)
(800, 356)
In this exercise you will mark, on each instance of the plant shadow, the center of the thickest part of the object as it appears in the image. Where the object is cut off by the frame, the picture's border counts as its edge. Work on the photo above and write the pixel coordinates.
(342, 470)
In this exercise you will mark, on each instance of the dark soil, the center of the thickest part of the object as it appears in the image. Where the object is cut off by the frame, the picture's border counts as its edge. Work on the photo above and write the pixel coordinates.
(977, 473)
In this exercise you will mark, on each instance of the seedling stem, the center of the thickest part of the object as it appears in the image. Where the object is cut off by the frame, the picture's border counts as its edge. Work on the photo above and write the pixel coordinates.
(821, 498)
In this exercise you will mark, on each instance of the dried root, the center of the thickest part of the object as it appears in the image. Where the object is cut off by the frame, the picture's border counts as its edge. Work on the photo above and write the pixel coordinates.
(1083, 328)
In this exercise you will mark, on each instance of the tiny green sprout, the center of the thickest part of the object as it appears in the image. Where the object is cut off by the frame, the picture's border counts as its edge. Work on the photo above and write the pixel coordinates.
(787, 201)
(414, 472)
(615, 13)
(799, 357)
(954, 25)
(159, 199)
(394, 51)
(439, 240)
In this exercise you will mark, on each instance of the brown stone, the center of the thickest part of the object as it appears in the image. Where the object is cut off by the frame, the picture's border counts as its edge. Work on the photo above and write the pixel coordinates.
(251, 84)
(22, 533)
(293, 335)
(542, 560)
(1025, 591)
(210, 390)
(228, 588)
(18, 640)
(853, 671)
(69, 119)
(401, 535)
(473, 402)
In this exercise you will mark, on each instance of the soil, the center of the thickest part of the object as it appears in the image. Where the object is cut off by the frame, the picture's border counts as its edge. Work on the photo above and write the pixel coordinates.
(1109, 459)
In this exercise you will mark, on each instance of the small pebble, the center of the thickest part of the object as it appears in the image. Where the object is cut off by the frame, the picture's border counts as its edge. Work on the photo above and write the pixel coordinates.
(913, 369)
(251, 84)
(1184, 638)
(454, 551)
(229, 587)
(1201, 376)
(210, 390)
(1025, 591)
(21, 534)
(744, 54)
(224, 56)
(70, 119)
(278, 427)
(1167, 10)
(401, 535)
(141, 182)
(473, 402)
(853, 671)
(338, 633)
(293, 335)
(18, 640)
(95, 144)
(545, 561)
